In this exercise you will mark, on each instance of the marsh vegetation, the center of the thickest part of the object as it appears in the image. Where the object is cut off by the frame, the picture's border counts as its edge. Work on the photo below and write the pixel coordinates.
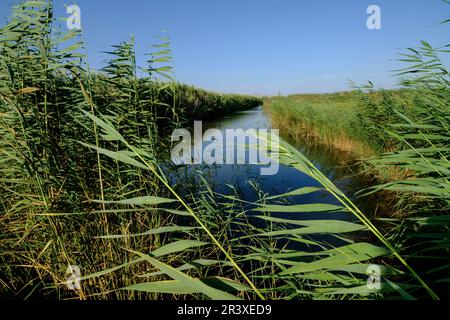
(84, 181)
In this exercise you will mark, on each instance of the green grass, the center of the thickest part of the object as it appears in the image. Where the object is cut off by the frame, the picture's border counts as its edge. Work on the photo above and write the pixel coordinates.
(54, 189)
(402, 138)
(353, 121)
(80, 184)
(422, 149)
(327, 119)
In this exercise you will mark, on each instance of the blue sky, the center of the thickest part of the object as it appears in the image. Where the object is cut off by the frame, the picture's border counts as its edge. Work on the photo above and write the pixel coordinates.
(265, 46)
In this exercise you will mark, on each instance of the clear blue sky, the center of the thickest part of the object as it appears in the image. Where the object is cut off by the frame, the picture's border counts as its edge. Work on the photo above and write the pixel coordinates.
(266, 46)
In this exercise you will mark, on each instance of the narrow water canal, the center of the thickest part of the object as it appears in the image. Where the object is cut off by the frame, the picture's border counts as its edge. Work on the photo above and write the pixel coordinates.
(244, 177)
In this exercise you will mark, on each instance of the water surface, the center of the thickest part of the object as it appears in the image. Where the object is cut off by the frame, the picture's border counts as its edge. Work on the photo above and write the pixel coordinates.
(244, 177)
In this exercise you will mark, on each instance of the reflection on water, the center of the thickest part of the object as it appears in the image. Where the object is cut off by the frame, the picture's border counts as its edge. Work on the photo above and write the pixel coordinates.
(242, 179)
(220, 177)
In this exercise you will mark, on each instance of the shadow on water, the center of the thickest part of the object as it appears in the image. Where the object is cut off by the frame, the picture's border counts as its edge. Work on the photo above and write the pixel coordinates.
(243, 177)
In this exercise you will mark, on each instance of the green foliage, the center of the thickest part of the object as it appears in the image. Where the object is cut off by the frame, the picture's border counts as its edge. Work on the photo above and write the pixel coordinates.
(327, 272)
(57, 196)
(329, 119)
(409, 131)
(423, 152)
(81, 183)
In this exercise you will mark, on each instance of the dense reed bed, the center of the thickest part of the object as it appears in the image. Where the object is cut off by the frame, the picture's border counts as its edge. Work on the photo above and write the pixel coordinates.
(53, 189)
(81, 183)
(327, 119)
(352, 121)
(401, 138)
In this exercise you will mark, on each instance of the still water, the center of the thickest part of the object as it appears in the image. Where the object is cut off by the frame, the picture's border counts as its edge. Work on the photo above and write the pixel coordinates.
(244, 177)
